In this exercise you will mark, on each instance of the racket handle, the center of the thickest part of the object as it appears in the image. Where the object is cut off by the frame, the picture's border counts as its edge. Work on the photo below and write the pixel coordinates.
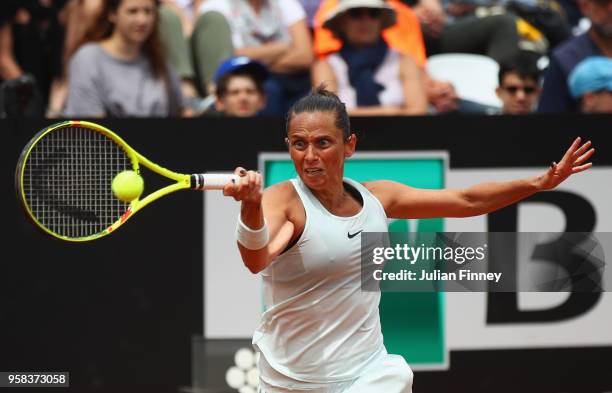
(213, 181)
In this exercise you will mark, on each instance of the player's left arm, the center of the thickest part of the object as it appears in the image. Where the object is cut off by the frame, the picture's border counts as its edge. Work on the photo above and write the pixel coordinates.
(401, 201)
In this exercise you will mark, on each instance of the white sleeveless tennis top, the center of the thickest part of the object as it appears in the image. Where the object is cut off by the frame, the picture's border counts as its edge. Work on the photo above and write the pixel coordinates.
(387, 74)
(319, 326)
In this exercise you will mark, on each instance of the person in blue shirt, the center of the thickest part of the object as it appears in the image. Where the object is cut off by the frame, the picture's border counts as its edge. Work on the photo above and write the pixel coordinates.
(556, 97)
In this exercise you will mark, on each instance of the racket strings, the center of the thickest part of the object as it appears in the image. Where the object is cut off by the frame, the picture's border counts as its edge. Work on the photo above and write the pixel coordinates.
(67, 181)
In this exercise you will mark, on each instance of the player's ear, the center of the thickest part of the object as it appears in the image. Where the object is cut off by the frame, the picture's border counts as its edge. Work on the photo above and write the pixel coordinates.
(349, 145)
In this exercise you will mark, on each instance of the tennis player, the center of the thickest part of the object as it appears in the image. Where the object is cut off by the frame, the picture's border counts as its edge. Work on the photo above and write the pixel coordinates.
(320, 332)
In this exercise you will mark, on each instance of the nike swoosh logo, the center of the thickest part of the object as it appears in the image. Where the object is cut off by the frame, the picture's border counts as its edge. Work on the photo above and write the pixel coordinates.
(354, 234)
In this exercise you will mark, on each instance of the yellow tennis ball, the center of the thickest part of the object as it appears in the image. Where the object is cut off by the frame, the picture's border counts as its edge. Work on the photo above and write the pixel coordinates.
(127, 186)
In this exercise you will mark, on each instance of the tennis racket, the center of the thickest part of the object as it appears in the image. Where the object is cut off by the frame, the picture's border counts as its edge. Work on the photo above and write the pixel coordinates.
(64, 175)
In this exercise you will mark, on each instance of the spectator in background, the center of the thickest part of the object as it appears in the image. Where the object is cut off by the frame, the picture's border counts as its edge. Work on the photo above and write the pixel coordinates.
(310, 8)
(120, 70)
(239, 87)
(81, 17)
(369, 78)
(175, 27)
(31, 39)
(519, 84)
(186, 10)
(404, 36)
(591, 84)
(274, 32)
(458, 29)
(211, 44)
(597, 41)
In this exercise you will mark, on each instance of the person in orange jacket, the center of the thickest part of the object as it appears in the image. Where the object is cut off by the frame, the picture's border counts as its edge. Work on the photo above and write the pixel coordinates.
(405, 36)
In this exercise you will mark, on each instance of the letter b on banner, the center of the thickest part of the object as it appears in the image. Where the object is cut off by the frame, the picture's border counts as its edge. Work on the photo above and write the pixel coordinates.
(502, 307)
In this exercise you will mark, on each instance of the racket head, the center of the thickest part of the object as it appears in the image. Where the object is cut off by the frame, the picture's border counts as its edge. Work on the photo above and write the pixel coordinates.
(63, 180)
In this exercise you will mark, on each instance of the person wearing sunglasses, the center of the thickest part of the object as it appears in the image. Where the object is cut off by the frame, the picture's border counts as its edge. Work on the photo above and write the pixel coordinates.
(371, 78)
(519, 84)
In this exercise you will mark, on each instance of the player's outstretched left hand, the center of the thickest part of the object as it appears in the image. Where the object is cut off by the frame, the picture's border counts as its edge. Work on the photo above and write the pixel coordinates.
(574, 161)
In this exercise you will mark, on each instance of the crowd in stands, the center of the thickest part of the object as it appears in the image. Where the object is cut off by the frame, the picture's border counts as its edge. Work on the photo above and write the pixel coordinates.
(186, 58)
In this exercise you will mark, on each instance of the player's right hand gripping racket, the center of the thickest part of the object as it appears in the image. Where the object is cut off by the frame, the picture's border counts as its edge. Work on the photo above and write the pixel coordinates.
(64, 176)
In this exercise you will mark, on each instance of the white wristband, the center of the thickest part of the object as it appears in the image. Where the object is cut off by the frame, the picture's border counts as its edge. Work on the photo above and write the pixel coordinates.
(250, 238)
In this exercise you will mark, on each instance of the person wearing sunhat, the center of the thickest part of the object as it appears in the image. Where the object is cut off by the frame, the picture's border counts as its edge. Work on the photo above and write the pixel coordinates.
(368, 76)
(239, 87)
(591, 83)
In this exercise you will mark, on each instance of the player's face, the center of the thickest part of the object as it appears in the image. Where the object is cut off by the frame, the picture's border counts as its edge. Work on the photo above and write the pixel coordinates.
(241, 99)
(518, 95)
(362, 26)
(134, 20)
(318, 149)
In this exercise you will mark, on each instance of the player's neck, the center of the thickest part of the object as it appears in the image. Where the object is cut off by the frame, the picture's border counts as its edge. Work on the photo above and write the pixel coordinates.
(337, 200)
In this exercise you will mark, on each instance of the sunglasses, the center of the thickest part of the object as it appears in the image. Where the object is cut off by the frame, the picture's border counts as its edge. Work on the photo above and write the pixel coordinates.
(356, 13)
(514, 89)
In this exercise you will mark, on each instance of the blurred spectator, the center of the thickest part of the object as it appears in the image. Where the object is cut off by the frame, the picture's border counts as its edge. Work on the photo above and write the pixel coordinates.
(239, 87)
(310, 7)
(597, 41)
(591, 84)
(173, 24)
(211, 44)
(519, 84)
(547, 16)
(274, 32)
(405, 37)
(460, 29)
(185, 36)
(81, 17)
(121, 70)
(31, 35)
(368, 76)
(186, 10)
(571, 11)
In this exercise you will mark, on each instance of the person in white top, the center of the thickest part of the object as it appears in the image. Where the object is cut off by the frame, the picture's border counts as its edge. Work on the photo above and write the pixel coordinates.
(368, 76)
(320, 332)
(275, 33)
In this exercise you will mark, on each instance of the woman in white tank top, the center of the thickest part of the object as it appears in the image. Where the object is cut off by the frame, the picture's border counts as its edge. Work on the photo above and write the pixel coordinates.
(320, 332)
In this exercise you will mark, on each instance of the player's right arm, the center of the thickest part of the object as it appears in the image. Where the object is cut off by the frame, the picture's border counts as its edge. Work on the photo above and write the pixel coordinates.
(258, 208)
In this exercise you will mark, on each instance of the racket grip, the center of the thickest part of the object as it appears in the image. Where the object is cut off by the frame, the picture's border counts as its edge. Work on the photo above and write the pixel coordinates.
(213, 181)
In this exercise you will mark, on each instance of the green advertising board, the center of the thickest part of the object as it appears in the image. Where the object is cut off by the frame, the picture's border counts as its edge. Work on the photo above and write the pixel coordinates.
(412, 322)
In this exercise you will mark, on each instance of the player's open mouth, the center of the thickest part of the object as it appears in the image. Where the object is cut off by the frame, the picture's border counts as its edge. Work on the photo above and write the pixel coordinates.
(313, 171)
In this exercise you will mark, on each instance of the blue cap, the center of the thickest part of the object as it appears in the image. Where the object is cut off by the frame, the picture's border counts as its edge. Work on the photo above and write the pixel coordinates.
(244, 64)
(591, 74)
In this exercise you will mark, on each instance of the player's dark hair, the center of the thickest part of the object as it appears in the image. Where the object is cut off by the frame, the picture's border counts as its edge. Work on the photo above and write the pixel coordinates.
(221, 88)
(322, 100)
(522, 63)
